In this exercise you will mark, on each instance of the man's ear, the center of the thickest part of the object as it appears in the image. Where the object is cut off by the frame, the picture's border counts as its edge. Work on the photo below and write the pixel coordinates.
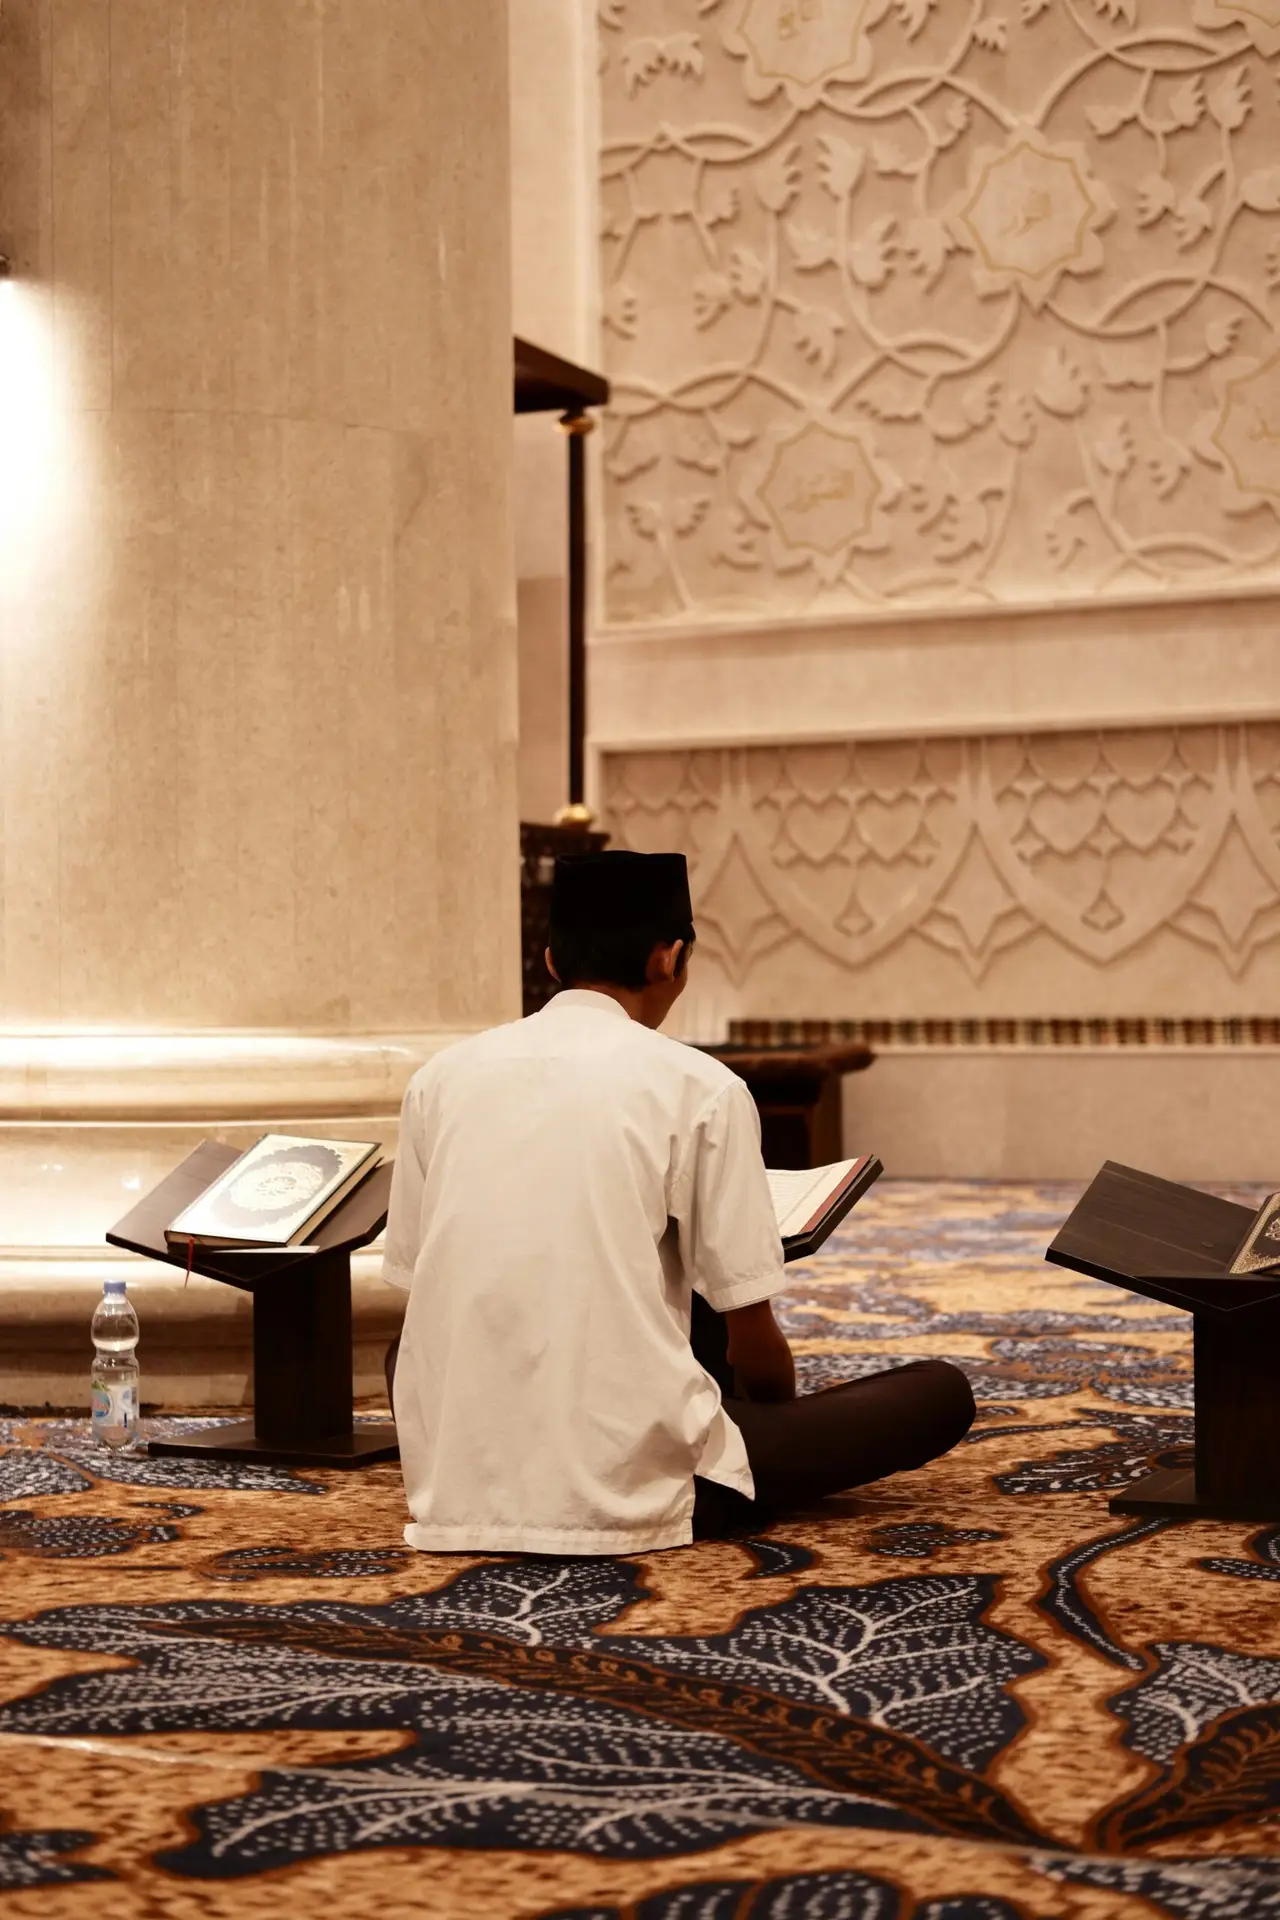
(551, 968)
(664, 964)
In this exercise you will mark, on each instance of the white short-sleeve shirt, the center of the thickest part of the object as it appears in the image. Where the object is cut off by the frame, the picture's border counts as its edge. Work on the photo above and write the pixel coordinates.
(561, 1186)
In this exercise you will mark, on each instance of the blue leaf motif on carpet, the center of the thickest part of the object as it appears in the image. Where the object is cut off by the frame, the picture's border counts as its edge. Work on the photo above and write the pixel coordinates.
(35, 1860)
(539, 1602)
(607, 1749)
(76, 1536)
(1264, 1563)
(1144, 1440)
(1028, 1370)
(869, 1309)
(496, 1770)
(921, 1539)
(776, 1559)
(1134, 1376)
(912, 1654)
(1219, 1888)
(1192, 1686)
(806, 1896)
(243, 1565)
(69, 1460)
(28, 1474)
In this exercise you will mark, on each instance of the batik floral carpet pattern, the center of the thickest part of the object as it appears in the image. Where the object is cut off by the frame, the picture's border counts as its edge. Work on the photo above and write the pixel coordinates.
(966, 1694)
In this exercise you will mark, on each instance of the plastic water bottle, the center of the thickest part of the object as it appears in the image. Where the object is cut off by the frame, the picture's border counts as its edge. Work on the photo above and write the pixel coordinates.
(115, 1369)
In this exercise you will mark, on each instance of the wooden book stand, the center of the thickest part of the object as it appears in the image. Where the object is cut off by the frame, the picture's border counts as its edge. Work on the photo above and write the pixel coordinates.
(302, 1398)
(1175, 1244)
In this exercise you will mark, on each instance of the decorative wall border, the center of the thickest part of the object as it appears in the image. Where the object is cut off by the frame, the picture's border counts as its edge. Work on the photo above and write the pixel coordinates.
(1173, 660)
(1192, 1031)
(1097, 842)
(922, 304)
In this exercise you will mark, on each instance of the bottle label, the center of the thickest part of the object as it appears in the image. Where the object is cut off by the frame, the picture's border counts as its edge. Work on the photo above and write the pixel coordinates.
(115, 1407)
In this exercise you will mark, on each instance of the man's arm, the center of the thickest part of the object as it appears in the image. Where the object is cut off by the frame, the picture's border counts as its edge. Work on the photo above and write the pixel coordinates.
(730, 1243)
(763, 1368)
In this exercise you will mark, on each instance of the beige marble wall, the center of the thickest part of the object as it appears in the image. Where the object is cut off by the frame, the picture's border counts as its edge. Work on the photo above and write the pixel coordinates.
(554, 141)
(258, 690)
(258, 706)
(943, 537)
(1185, 1113)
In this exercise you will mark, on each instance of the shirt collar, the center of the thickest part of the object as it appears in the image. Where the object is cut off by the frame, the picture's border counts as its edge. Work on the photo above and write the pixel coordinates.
(571, 998)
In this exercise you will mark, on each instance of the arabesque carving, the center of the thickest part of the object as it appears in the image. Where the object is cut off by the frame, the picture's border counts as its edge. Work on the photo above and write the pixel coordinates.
(1099, 840)
(937, 302)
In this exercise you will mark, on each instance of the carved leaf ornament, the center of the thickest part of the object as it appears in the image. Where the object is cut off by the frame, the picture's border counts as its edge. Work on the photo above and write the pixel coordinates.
(854, 239)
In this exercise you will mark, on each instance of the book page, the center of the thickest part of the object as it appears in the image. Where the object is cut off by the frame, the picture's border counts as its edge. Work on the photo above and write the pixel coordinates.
(800, 1193)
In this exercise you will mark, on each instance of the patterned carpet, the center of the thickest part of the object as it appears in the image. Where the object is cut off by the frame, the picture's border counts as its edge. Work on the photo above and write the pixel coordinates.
(967, 1694)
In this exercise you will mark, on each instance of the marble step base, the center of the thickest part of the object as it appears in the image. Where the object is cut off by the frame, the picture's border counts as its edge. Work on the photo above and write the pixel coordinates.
(91, 1119)
(195, 1348)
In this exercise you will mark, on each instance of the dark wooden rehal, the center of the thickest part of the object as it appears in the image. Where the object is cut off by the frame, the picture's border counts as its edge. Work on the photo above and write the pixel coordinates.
(798, 1096)
(303, 1413)
(1175, 1244)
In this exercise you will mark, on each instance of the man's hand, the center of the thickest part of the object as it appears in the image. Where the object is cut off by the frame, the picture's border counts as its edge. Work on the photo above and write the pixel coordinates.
(759, 1354)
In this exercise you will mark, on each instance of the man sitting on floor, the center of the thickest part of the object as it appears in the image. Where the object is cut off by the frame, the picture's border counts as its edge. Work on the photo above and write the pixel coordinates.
(574, 1196)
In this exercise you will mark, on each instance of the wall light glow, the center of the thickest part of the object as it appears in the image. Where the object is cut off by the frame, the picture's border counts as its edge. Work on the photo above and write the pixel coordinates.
(38, 473)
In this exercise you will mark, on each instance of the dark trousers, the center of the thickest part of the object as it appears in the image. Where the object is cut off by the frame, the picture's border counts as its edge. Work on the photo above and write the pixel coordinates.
(800, 1450)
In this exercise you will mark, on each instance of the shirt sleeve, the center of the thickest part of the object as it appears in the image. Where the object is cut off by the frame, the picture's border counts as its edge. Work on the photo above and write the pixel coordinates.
(729, 1241)
(404, 1209)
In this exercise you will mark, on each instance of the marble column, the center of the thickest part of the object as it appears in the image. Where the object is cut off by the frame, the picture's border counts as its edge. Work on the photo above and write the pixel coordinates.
(257, 662)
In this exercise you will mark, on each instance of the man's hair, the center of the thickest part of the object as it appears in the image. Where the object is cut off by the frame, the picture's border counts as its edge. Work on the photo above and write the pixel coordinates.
(614, 956)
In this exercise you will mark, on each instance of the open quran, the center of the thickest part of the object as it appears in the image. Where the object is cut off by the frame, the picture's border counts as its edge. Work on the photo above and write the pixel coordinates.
(810, 1202)
(276, 1193)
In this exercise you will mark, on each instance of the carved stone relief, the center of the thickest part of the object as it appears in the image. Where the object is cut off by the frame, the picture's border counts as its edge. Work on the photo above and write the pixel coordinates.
(1097, 849)
(938, 302)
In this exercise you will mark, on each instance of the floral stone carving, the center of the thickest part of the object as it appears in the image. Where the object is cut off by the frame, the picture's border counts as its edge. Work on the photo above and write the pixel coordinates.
(1259, 18)
(1032, 215)
(803, 44)
(822, 490)
(1024, 254)
(1246, 431)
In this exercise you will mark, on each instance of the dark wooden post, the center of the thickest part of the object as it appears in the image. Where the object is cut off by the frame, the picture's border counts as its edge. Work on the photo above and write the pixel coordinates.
(577, 426)
(544, 383)
(1237, 1361)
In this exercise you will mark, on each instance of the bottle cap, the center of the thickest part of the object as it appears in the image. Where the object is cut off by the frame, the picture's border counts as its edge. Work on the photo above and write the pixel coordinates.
(114, 1287)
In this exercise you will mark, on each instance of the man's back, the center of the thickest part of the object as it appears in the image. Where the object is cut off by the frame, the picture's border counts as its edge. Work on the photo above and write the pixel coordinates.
(561, 1182)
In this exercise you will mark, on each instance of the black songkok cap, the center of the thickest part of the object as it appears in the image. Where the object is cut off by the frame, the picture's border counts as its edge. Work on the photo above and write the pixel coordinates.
(613, 892)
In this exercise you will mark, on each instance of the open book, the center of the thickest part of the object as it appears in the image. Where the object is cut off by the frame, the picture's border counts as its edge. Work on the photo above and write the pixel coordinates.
(810, 1202)
(1259, 1251)
(276, 1194)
